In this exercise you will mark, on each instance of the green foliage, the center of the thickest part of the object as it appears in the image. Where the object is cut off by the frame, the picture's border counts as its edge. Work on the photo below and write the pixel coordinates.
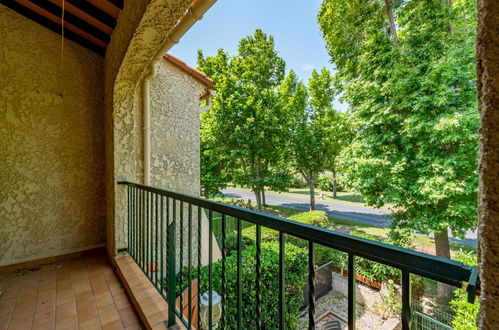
(390, 303)
(316, 129)
(246, 121)
(325, 182)
(413, 104)
(314, 218)
(465, 314)
(296, 270)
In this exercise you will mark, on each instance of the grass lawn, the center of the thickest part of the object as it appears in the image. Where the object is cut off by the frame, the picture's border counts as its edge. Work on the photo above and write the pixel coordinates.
(421, 243)
(343, 197)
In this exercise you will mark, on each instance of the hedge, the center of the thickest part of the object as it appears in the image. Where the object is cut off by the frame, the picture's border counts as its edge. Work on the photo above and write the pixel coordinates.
(295, 276)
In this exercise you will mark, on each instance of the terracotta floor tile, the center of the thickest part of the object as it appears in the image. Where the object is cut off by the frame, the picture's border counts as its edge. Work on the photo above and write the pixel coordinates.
(10, 292)
(116, 289)
(86, 311)
(116, 325)
(121, 301)
(128, 316)
(44, 321)
(65, 312)
(20, 324)
(7, 305)
(99, 288)
(62, 296)
(103, 300)
(64, 285)
(134, 327)
(47, 285)
(92, 324)
(67, 325)
(159, 326)
(84, 296)
(65, 298)
(4, 320)
(108, 314)
(45, 301)
(23, 311)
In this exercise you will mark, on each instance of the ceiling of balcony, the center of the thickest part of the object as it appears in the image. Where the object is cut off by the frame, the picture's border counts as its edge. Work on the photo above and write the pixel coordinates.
(89, 23)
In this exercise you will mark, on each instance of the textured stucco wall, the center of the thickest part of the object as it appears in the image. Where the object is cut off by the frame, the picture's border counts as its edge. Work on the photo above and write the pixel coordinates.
(175, 146)
(488, 204)
(175, 163)
(51, 143)
(142, 29)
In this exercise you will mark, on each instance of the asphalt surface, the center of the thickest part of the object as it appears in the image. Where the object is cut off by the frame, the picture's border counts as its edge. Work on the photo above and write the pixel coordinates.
(370, 216)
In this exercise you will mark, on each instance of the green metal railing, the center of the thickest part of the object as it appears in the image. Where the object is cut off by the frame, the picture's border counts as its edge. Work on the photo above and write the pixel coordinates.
(439, 320)
(160, 222)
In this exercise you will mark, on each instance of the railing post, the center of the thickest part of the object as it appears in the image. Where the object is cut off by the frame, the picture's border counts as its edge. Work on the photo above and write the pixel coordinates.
(406, 299)
(171, 273)
(352, 292)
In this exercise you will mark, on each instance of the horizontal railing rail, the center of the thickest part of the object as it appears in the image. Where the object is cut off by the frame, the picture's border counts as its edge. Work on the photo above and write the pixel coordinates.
(156, 216)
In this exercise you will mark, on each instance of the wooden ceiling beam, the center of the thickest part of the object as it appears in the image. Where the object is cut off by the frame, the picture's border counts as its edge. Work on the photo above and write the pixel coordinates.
(49, 24)
(71, 19)
(117, 3)
(106, 7)
(94, 11)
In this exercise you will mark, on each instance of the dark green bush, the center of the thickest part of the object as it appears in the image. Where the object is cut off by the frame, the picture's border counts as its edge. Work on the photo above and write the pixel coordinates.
(295, 275)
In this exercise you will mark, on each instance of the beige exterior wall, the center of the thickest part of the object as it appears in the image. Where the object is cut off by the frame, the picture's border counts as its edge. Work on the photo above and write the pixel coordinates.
(51, 143)
(175, 146)
(175, 116)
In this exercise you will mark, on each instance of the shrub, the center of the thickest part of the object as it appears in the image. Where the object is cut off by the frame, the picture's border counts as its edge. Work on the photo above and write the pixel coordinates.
(325, 182)
(315, 218)
(464, 313)
(295, 275)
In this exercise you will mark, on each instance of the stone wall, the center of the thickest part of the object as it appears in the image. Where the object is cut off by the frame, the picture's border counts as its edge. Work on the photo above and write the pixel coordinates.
(488, 204)
(51, 143)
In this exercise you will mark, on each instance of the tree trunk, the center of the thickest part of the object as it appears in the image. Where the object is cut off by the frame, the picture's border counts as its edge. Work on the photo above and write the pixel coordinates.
(206, 193)
(312, 194)
(449, 3)
(442, 248)
(334, 183)
(258, 199)
(391, 21)
(264, 202)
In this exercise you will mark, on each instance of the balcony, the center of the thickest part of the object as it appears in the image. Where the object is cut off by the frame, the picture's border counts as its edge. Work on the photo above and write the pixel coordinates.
(165, 240)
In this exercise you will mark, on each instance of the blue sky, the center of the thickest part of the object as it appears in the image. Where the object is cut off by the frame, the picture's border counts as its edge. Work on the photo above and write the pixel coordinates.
(292, 23)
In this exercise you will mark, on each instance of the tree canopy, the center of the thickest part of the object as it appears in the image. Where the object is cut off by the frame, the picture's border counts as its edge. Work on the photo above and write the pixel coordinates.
(246, 119)
(407, 70)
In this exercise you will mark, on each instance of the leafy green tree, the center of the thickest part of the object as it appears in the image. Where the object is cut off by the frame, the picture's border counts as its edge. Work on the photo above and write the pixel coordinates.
(216, 167)
(246, 119)
(407, 70)
(317, 131)
(309, 142)
(322, 94)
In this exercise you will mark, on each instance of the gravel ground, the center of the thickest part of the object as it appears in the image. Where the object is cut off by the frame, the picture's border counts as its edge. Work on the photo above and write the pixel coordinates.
(338, 305)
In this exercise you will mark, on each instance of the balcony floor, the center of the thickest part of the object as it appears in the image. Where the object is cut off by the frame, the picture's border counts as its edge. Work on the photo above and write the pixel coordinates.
(82, 293)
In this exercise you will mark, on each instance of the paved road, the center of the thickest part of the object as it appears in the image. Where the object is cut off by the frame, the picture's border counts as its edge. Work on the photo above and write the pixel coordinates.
(374, 217)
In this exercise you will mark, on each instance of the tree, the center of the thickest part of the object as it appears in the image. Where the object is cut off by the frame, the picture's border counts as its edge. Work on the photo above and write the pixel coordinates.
(337, 126)
(309, 119)
(216, 167)
(246, 116)
(412, 95)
